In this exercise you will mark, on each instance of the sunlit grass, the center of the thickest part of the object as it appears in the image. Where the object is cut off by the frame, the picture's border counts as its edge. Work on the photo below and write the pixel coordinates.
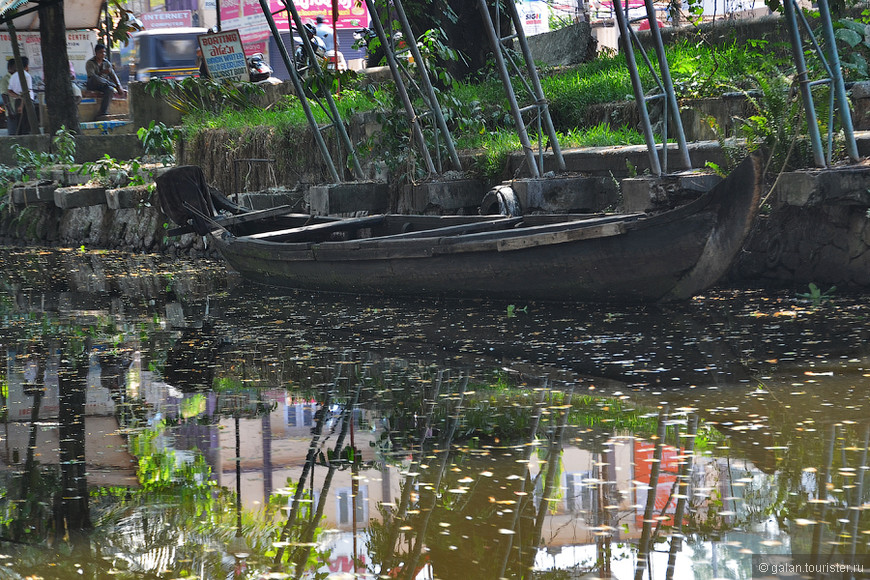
(480, 110)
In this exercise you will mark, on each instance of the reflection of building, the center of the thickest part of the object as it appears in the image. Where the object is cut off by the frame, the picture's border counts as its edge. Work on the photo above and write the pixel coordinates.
(106, 456)
(274, 450)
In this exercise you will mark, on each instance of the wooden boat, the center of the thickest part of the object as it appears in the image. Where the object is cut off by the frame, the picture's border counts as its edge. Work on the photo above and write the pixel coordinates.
(612, 258)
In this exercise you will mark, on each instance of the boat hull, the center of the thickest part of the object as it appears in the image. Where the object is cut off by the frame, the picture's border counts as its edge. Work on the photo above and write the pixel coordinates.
(671, 256)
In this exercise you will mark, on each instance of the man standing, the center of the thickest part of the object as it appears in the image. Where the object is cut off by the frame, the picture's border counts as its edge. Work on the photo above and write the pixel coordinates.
(16, 96)
(102, 78)
(11, 116)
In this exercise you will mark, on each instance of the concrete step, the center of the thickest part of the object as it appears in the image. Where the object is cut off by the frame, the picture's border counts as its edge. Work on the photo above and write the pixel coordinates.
(108, 125)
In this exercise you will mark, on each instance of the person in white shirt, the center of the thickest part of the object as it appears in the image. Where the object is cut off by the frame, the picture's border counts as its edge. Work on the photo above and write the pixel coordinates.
(324, 31)
(16, 94)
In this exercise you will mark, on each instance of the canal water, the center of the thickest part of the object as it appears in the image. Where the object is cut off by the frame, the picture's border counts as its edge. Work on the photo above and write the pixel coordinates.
(162, 419)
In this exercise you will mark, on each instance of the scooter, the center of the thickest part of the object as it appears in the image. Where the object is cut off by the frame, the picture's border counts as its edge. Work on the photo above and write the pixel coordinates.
(259, 71)
(300, 55)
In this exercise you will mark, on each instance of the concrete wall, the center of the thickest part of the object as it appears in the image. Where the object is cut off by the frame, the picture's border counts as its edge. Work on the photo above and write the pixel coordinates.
(88, 147)
(564, 47)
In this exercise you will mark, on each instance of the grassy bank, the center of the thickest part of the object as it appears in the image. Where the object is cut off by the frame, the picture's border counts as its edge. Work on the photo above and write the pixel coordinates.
(478, 115)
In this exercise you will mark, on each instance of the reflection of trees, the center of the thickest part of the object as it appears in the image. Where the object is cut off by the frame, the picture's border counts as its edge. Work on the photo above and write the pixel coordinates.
(489, 522)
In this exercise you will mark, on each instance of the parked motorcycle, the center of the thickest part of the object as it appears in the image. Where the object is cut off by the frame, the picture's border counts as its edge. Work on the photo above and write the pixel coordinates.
(300, 55)
(367, 39)
(259, 71)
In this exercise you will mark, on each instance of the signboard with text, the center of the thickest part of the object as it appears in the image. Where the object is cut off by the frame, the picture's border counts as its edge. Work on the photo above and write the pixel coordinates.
(167, 19)
(79, 46)
(224, 56)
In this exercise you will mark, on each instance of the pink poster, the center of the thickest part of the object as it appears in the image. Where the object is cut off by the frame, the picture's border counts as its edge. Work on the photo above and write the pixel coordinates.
(351, 13)
(230, 10)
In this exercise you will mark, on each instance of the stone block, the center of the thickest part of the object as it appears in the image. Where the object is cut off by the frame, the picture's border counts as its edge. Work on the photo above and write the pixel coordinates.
(860, 96)
(128, 197)
(565, 193)
(79, 196)
(445, 195)
(67, 176)
(565, 46)
(33, 193)
(643, 194)
(839, 186)
(346, 198)
(269, 199)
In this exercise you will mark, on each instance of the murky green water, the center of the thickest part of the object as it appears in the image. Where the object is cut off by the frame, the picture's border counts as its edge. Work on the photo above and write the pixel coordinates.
(418, 439)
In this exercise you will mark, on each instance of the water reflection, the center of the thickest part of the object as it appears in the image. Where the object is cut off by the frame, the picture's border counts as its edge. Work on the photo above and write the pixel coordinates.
(160, 422)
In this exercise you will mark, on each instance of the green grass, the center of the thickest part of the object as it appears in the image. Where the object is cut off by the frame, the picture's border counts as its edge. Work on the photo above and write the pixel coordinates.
(480, 114)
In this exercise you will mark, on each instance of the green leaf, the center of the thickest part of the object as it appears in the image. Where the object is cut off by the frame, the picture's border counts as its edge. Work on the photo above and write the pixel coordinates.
(848, 23)
(848, 36)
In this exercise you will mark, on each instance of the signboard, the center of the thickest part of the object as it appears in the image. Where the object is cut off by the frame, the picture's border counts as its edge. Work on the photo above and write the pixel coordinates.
(167, 19)
(535, 16)
(79, 46)
(224, 56)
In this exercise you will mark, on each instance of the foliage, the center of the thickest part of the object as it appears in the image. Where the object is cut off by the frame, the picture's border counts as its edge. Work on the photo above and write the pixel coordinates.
(776, 123)
(65, 146)
(111, 172)
(28, 160)
(853, 46)
(194, 94)
(159, 140)
(124, 22)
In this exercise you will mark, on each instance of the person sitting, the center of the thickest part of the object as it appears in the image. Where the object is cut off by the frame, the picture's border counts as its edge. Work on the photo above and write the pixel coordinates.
(11, 115)
(102, 79)
(16, 96)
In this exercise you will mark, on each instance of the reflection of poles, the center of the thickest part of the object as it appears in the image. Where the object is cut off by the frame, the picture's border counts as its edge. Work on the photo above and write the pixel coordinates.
(238, 546)
(308, 533)
(300, 487)
(859, 494)
(607, 512)
(267, 455)
(822, 487)
(414, 557)
(533, 430)
(36, 391)
(354, 478)
(554, 456)
(655, 468)
(408, 487)
(683, 490)
(28, 481)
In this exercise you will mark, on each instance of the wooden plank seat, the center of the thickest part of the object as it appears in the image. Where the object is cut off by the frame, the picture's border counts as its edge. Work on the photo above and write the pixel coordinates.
(244, 218)
(319, 230)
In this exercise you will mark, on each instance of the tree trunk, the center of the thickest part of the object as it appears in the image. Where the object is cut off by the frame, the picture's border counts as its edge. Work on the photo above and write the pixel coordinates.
(465, 33)
(61, 108)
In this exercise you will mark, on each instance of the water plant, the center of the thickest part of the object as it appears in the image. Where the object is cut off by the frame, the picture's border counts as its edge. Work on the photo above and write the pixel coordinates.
(816, 296)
